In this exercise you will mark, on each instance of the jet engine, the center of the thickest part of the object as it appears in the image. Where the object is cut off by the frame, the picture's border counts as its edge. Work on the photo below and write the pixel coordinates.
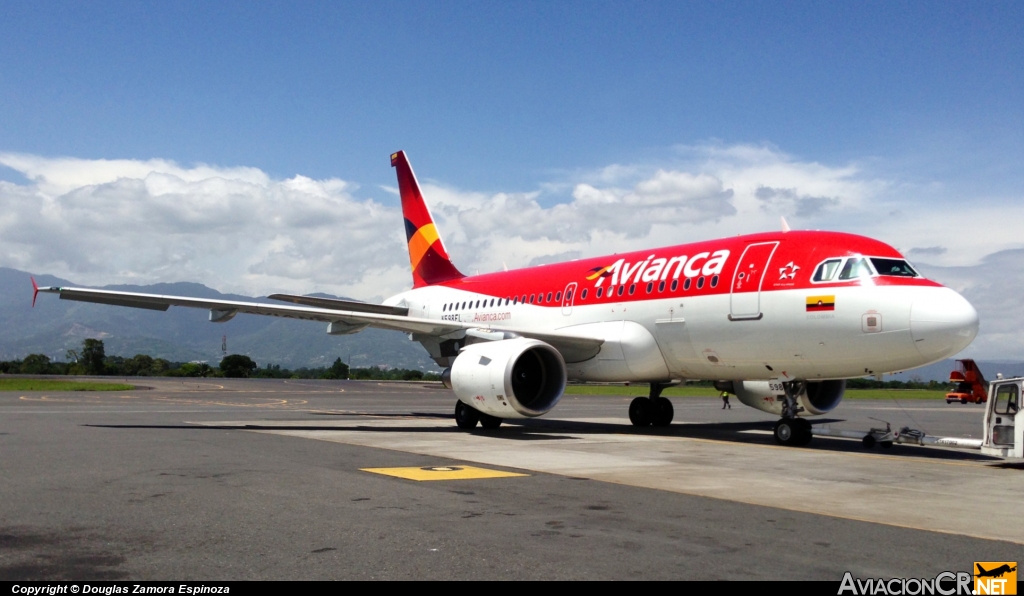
(815, 398)
(510, 378)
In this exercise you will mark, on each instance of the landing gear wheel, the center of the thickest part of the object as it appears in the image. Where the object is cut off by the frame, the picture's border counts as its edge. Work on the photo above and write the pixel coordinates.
(466, 417)
(804, 434)
(868, 441)
(885, 444)
(663, 411)
(489, 422)
(784, 431)
(641, 411)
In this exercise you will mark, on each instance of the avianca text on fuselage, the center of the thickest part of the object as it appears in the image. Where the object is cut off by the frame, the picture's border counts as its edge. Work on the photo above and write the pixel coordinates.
(658, 269)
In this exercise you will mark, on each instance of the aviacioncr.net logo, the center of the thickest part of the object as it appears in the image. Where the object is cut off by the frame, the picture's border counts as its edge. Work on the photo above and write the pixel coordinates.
(946, 583)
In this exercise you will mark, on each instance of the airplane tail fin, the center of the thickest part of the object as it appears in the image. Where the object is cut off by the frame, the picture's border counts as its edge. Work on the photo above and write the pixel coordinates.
(430, 261)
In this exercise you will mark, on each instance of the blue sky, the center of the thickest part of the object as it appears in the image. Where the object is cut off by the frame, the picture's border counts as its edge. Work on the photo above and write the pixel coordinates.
(494, 95)
(245, 145)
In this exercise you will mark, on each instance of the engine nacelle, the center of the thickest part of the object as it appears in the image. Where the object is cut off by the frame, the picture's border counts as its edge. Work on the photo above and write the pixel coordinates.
(510, 378)
(816, 397)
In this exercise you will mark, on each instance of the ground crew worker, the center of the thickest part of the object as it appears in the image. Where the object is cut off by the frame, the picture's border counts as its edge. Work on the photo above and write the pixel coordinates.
(725, 400)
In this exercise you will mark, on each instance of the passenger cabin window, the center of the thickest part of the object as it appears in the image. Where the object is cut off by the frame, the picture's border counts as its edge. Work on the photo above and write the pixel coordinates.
(854, 268)
(827, 270)
(896, 267)
(583, 296)
(558, 297)
(600, 291)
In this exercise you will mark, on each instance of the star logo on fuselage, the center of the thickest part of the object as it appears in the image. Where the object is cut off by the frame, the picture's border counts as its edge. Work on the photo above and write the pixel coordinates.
(789, 271)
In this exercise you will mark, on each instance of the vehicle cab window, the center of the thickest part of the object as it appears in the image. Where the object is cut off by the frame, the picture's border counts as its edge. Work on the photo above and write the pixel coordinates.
(1007, 400)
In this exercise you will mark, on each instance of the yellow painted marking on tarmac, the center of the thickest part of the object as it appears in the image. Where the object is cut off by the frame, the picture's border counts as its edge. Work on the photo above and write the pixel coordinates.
(442, 473)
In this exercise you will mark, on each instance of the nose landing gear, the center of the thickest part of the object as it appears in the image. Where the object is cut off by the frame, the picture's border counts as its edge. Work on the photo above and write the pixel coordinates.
(794, 432)
(791, 430)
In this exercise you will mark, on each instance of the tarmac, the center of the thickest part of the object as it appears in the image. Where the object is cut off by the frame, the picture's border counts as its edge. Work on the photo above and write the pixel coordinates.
(220, 479)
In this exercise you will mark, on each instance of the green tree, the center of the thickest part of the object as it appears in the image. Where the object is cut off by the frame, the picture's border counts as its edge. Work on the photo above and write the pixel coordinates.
(139, 365)
(35, 364)
(237, 366)
(196, 369)
(92, 356)
(338, 370)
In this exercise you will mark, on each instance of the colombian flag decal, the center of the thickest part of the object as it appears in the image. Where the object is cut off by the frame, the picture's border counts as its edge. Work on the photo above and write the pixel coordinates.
(820, 303)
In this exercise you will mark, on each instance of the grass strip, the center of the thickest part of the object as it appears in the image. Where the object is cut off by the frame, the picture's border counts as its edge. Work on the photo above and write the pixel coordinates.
(52, 385)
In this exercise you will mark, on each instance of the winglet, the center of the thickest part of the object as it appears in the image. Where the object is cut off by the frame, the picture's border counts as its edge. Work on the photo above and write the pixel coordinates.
(35, 291)
(427, 255)
(785, 226)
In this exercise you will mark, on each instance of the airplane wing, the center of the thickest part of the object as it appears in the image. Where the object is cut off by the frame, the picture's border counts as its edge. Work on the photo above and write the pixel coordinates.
(574, 348)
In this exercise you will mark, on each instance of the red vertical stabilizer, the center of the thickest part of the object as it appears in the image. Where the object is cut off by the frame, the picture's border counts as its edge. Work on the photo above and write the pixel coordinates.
(427, 255)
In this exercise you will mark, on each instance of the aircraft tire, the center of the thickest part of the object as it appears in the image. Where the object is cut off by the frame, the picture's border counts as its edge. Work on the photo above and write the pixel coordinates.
(641, 411)
(804, 434)
(663, 411)
(785, 431)
(466, 417)
(868, 441)
(490, 422)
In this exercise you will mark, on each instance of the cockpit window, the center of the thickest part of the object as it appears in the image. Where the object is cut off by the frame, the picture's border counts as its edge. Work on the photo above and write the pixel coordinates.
(854, 268)
(827, 270)
(897, 267)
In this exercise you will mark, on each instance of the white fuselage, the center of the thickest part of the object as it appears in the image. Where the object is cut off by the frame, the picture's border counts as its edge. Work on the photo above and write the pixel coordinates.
(872, 330)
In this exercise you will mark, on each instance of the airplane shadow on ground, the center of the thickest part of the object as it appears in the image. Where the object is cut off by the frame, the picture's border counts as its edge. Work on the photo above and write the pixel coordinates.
(565, 430)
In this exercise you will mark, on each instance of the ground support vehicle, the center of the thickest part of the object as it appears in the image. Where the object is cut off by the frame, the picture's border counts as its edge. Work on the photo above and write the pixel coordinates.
(971, 386)
(1004, 434)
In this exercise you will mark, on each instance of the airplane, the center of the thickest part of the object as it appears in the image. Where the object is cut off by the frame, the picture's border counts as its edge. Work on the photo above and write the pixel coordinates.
(779, 319)
(995, 572)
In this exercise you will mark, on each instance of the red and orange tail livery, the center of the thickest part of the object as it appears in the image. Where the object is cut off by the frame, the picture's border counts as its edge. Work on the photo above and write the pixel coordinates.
(430, 261)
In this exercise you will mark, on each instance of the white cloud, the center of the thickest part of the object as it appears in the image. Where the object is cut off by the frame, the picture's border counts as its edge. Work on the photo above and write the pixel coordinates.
(125, 221)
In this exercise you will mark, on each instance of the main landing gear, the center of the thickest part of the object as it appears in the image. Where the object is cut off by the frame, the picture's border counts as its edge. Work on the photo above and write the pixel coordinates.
(652, 410)
(466, 417)
(790, 430)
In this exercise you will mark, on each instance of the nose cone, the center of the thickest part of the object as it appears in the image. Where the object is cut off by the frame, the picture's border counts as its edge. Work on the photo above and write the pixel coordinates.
(942, 323)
